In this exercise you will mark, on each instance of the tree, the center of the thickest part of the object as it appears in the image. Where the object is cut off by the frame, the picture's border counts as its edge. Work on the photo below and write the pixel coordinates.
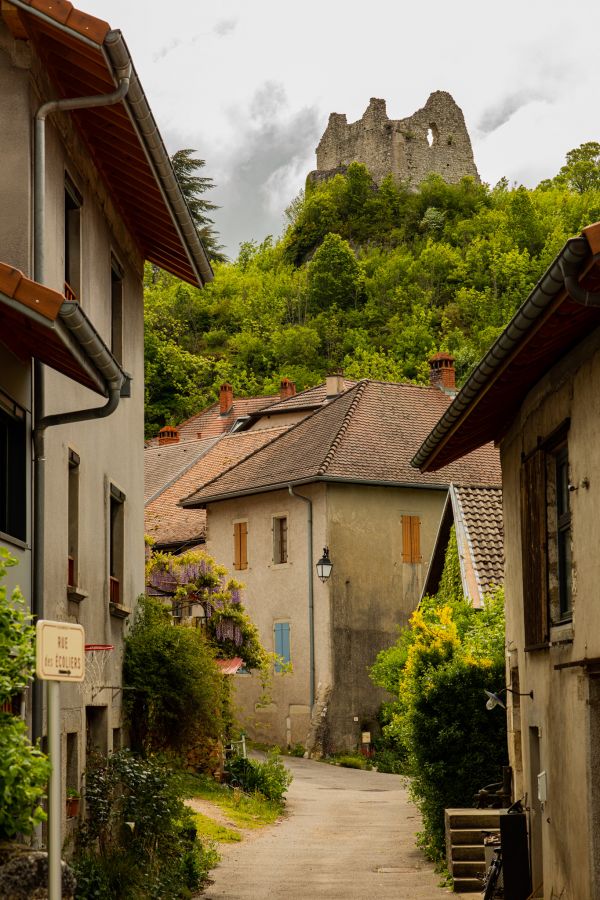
(334, 275)
(581, 171)
(193, 186)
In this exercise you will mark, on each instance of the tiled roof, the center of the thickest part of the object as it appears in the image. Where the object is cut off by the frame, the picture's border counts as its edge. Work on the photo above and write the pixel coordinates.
(481, 513)
(165, 521)
(210, 422)
(164, 463)
(367, 434)
(308, 399)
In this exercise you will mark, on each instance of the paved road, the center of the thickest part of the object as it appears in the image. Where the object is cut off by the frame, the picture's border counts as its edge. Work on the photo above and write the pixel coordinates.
(348, 834)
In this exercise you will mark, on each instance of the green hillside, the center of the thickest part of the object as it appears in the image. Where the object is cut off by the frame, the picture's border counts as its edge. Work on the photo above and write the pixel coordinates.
(369, 280)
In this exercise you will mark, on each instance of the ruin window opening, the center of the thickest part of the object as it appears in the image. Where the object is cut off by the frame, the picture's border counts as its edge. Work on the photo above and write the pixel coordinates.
(432, 135)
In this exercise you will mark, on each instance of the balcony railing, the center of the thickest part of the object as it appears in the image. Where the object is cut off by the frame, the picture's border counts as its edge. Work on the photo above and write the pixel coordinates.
(115, 590)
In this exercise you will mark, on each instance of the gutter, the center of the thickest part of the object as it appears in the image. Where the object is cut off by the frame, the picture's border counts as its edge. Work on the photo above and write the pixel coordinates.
(575, 253)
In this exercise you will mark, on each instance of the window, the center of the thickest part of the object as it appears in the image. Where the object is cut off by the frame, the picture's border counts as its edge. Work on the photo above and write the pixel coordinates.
(411, 539)
(281, 643)
(72, 241)
(546, 539)
(73, 525)
(240, 545)
(280, 551)
(116, 311)
(13, 470)
(117, 542)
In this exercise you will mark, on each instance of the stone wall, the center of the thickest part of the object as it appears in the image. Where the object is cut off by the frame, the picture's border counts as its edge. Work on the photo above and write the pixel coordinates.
(434, 139)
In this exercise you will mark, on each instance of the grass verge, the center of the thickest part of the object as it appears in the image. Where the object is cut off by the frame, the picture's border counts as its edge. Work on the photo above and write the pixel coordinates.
(208, 829)
(244, 810)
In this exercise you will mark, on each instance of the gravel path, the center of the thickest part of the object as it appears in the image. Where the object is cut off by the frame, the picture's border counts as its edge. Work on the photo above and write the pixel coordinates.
(347, 834)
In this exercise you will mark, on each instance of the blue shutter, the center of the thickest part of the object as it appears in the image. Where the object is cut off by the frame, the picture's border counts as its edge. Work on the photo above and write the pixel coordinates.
(282, 643)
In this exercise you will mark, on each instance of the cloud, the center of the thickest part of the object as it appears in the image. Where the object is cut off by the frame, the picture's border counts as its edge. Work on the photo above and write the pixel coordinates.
(225, 27)
(504, 109)
(166, 49)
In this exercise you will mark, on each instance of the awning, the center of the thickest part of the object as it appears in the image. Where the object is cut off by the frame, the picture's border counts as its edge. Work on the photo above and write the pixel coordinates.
(230, 666)
(38, 322)
(83, 56)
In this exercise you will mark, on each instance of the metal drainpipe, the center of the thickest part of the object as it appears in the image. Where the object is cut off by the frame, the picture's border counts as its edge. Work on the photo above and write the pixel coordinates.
(41, 422)
(311, 603)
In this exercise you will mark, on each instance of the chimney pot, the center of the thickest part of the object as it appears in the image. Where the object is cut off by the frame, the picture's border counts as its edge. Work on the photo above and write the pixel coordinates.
(442, 373)
(287, 389)
(225, 399)
(168, 435)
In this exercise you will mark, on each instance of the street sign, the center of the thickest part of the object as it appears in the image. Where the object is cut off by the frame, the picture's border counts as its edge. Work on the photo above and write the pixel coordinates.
(59, 651)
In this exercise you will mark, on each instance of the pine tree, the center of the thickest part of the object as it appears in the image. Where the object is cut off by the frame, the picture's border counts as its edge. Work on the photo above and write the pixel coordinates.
(193, 186)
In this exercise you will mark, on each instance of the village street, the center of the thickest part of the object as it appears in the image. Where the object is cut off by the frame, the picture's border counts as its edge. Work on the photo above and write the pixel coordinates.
(347, 834)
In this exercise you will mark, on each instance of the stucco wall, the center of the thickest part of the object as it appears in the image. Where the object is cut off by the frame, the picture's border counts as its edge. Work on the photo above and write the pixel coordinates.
(372, 591)
(564, 713)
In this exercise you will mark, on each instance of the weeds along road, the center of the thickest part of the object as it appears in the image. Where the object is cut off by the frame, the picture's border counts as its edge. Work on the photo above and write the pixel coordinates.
(347, 834)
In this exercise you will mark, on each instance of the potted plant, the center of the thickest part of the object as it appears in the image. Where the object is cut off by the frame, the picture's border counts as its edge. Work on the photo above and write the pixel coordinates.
(73, 800)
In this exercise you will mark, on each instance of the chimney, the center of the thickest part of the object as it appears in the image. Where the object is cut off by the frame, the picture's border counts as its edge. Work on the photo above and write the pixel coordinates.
(225, 399)
(334, 384)
(441, 372)
(287, 389)
(168, 435)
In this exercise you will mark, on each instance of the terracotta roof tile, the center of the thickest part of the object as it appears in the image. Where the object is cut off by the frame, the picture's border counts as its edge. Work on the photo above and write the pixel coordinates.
(367, 434)
(163, 463)
(165, 521)
(481, 512)
(308, 399)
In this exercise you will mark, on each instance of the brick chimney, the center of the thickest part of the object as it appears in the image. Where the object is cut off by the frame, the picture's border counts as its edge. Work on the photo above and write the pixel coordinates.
(441, 372)
(225, 398)
(287, 389)
(168, 435)
(334, 384)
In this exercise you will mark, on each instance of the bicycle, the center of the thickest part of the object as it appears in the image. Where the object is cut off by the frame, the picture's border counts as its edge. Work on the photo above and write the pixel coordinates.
(492, 886)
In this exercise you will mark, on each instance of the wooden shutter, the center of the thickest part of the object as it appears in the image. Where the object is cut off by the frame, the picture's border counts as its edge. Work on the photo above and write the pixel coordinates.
(411, 539)
(243, 545)
(534, 549)
(236, 546)
(282, 644)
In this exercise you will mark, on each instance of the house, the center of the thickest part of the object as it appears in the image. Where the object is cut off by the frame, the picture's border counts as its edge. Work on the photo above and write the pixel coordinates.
(476, 515)
(536, 394)
(88, 193)
(339, 478)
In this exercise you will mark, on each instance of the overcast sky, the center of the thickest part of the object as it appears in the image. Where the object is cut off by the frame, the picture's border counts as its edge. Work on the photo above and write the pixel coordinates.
(250, 85)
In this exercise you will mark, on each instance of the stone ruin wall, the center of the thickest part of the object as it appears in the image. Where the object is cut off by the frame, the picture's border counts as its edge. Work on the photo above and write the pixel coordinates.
(400, 146)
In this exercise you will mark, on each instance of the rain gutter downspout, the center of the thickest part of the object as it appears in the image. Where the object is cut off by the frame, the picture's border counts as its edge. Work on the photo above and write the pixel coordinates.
(41, 421)
(311, 601)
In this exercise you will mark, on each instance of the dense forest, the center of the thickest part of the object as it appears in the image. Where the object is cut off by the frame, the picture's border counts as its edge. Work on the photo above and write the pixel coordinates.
(370, 280)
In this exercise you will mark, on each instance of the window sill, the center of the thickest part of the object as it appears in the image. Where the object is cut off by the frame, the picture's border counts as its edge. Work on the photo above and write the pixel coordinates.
(284, 565)
(118, 611)
(534, 647)
(562, 633)
(16, 542)
(76, 594)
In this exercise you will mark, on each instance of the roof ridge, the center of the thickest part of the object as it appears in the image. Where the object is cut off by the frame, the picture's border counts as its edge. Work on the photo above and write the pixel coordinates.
(360, 389)
(185, 469)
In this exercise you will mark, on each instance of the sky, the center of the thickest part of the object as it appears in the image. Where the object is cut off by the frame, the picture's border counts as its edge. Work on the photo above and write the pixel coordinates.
(250, 85)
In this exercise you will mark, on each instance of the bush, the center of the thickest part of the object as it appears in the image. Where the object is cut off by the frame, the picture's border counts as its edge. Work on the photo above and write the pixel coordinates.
(353, 762)
(269, 778)
(138, 840)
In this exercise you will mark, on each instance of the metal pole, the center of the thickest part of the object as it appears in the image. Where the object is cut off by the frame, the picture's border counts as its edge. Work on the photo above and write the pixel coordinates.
(54, 793)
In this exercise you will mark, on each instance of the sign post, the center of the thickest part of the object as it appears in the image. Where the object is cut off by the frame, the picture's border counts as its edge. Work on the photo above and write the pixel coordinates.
(60, 656)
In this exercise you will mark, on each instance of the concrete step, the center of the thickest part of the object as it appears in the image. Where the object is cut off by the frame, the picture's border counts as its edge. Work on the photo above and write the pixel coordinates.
(468, 835)
(472, 852)
(468, 869)
(467, 885)
(473, 818)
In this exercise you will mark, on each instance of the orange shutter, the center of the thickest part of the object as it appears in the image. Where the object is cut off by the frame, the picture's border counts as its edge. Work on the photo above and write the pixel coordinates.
(236, 546)
(406, 543)
(243, 526)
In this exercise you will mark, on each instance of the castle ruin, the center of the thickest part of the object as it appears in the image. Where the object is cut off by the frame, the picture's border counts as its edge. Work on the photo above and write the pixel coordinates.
(433, 140)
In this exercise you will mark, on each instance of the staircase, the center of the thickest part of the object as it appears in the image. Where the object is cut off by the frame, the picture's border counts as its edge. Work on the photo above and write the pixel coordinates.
(464, 845)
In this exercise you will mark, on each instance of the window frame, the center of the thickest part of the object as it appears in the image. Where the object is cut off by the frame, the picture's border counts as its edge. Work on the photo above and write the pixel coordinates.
(14, 458)
(240, 545)
(280, 530)
(116, 545)
(411, 539)
(73, 205)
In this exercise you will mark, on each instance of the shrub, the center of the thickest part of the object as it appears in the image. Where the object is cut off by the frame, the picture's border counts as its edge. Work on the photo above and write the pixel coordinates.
(24, 769)
(138, 839)
(353, 762)
(270, 778)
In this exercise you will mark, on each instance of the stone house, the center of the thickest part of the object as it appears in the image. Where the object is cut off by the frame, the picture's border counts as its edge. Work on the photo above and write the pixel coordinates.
(536, 394)
(88, 194)
(338, 478)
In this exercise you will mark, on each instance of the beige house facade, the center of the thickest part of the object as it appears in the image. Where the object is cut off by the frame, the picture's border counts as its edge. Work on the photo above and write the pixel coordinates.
(339, 479)
(73, 241)
(539, 400)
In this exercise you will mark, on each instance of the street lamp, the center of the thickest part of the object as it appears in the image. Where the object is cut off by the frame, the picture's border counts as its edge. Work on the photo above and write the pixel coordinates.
(324, 566)
(496, 700)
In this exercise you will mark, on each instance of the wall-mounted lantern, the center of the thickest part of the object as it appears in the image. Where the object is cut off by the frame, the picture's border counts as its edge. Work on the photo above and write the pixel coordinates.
(324, 566)
(496, 700)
